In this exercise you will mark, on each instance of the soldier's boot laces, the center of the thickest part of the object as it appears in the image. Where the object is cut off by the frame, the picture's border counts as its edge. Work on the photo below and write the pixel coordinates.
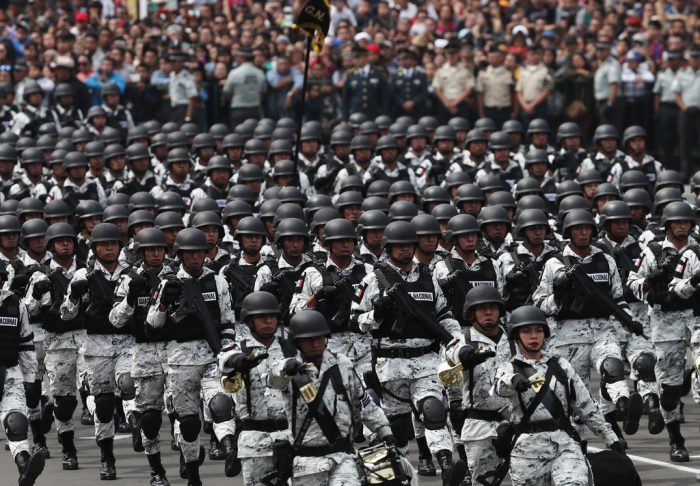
(29, 467)
(157, 470)
(193, 474)
(655, 420)
(232, 467)
(39, 439)
(635, 408)
(108, 470)
(136, 440)
(70, 455)
(453, 473)
(216, 452)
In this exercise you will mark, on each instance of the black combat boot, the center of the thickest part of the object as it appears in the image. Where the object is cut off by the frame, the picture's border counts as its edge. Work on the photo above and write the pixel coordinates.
(157, 470)
(232, 468)
(611, 418)
(425, 458)
(135, 423)
(678, 451)
(121, 425)
(216, 452)
(635, 407)
(39, 439)
(108, 470)
(29, 467)
(452, 473)
(70, 455)
(193, 474)
(656, 421)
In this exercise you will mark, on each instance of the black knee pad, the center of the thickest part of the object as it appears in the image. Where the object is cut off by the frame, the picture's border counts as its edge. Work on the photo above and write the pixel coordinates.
(127, 388)
(402, 428)
(612, 370)
(104, 407)
(16, 426)
(64, 407)
(433, 413)
(151, 421)
(189, 427)
(670, 396)
(644, 367)
(221, 408)
(32, 393)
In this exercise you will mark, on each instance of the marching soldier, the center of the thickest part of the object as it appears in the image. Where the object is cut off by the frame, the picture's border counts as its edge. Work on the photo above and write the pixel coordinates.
(27, 121)
(371, 230)
(77, 187)
(18, 365)
(486, 346)
(584, 331)
(499, 162)
(329, 288)
(260, 408)
(464, 268)
(322, 447)
(404, 351)
(544, 391)
(634, 141)
(64, 113)
(150, 351)
(141, 178)
(606, 138)
(107, 349)
(663, 282)
(196, 308)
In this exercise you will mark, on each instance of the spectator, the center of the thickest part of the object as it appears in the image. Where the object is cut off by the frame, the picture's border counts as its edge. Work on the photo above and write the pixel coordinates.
(409, 87)
(365, 89)
(453, 84)
(494, 87)
(667, 111)
(637, 82)
(246, 86)
(534, 86)
(182, 89)
(687, 89)
(606, 86)
(105, 74)
(284, 83)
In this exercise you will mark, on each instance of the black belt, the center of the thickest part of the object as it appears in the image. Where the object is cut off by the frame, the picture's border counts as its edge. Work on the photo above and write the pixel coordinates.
(341, 445)
(405, 352)
(489, 415)
(271, 425)
(542, 426)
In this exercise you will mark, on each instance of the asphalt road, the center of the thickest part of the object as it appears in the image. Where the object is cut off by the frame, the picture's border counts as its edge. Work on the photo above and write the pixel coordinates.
(650, 454)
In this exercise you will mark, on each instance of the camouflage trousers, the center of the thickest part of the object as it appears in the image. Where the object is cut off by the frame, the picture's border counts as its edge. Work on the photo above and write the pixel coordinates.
(670, 368)
(13, 400)
(104, 371)
(481, 458)
(337, 469)
(548, 458)
(62, 370)
(255, 469)
(150, 395)
(34, 413)
(416, 390)
(185, 384)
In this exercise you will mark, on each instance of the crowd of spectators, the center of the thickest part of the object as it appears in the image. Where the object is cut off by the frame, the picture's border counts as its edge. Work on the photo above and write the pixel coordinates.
(620, 62)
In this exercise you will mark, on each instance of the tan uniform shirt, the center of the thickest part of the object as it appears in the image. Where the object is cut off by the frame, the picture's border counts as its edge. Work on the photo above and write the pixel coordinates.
(496, 84)
(533, 80)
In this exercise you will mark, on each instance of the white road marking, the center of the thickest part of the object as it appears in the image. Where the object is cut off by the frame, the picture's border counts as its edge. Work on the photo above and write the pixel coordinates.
(654, 462)
(116, 437)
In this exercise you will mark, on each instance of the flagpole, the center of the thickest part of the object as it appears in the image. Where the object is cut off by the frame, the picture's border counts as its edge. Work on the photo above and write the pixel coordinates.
(303, 102)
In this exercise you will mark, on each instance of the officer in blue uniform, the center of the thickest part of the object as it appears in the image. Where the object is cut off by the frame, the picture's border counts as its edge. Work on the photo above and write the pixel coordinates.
(365, 89)
(409, 87)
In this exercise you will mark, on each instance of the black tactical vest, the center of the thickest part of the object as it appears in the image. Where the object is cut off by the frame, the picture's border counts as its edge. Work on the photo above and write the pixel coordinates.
(422, 291)
(134, 186)
(10, 328)
(486, 275)
(378, 174)
(141, 331)
(100, 304)
(241, 280)
(599, 272)
(218, 264)
(287, 278)
(51, 315)
(217, 194)
(191, 328)
(338, 312)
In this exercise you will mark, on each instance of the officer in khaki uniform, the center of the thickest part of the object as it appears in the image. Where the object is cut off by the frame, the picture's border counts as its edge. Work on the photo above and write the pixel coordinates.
(606, 86)
(667, 110)
(453, 84)
(533, 86)
(687, 91)
(365, 90)
(494, 87)
(181, 89)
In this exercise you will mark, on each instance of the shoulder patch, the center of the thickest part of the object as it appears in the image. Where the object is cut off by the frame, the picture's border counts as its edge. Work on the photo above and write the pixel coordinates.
(680, 268)
(359, 293)
(300, 283)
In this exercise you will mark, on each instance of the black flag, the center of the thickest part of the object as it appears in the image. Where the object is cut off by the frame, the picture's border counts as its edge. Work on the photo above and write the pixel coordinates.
(315, 20)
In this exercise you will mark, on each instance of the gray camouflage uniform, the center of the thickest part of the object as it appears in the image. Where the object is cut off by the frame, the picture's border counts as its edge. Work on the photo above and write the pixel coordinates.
(337, 467)
(257, 402)
(107, 356)
(545, 458)
(192, 367)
